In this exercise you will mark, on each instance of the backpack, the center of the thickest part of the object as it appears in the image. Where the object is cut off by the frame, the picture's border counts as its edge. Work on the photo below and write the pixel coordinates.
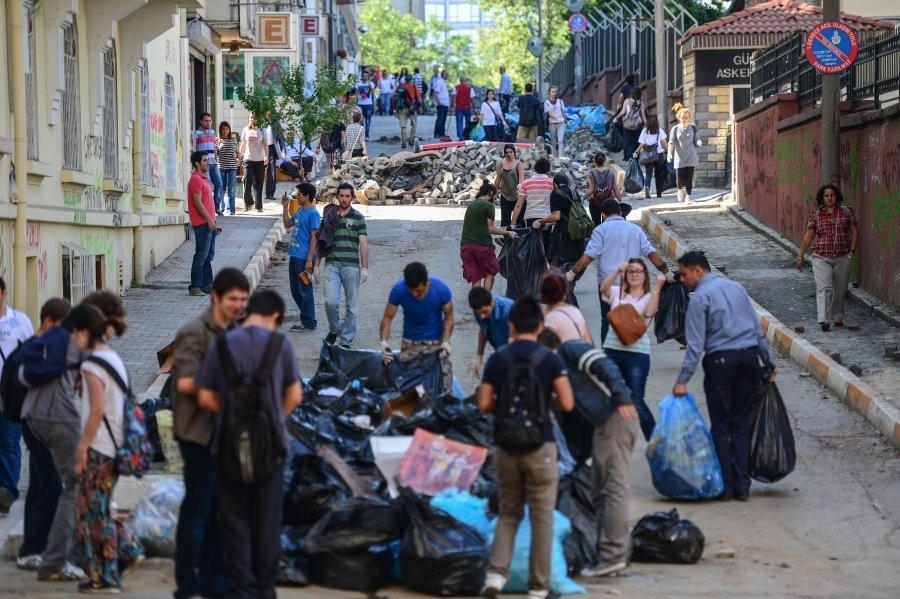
(604, 192)
(12, 388)
(329, 143)
(632, 121)
(527, 116)
(35, 362)
(402, 99)
(522, 412)
(580, 225)
(134, 455)
(248, 449)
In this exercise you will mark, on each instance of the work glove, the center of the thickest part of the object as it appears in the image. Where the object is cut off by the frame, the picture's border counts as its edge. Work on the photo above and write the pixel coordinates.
(699, 143)
(476, 368)
(445, 349)
(387, 356)
(570, 276)
(513, 235)
(537, 224)
(669, 158)
(363, 275)
(670, 277)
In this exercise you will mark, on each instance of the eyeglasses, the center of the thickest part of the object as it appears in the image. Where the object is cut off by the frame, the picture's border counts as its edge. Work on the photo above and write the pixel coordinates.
(634, 271)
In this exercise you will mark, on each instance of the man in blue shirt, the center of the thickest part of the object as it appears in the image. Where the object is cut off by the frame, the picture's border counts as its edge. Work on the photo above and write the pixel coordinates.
(304, 222)
(492, 316)
(427, 319)
(505, 89)
(720, 323)
(615, 240)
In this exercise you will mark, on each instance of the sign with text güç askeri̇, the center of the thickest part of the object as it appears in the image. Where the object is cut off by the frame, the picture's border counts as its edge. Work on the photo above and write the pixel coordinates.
(831, 47)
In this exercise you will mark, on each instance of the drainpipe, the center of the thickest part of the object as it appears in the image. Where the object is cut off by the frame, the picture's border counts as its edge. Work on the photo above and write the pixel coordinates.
(16, 19)
(137, 187)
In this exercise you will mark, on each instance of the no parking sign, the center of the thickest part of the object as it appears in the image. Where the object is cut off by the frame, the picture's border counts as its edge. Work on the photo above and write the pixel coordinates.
(831, 47)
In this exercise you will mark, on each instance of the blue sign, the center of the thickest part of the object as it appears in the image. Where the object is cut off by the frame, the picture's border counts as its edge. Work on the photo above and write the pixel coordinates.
(577, 23)
(831, 47)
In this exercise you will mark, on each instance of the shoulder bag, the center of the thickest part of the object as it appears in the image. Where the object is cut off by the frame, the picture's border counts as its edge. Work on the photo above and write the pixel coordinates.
(626, 322)
(650, 154)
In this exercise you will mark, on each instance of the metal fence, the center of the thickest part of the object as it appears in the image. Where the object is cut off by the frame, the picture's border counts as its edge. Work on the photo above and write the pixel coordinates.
(783, 68)
(623, 35)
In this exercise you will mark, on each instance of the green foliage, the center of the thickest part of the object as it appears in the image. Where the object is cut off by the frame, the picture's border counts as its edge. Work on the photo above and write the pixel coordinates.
(261, 101)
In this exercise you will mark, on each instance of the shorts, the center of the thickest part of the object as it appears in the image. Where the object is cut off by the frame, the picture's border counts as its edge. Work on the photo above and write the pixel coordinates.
(527, 133)
(478, 261)
(407, 115)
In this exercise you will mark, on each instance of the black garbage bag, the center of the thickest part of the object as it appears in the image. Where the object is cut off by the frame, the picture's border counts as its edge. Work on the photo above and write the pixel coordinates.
(662, 537)
(311, 487)
(673, 304)
(613, 139)
(439, 554)
(670, 181)
(522, 263)
(356, 524)
(293, 565)
(634, 177)
(364, 570)
(772, 452)
(460, 420)
(350, 441)
(574, 501)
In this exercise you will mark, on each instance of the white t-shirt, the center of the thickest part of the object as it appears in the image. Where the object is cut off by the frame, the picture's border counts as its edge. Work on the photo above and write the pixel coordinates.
(15, 328)
(648, 138)
(642, 345)
(489, 113)
(386, 85)
(567, 322)
(556, 111)
(440, 91)
(257, 147)
(113, 401)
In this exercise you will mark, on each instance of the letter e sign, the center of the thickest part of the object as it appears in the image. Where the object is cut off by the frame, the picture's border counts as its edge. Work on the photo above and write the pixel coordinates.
(273, 30)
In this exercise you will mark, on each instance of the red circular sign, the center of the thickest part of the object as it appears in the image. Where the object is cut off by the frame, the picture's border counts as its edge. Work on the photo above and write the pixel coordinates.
(831, 47)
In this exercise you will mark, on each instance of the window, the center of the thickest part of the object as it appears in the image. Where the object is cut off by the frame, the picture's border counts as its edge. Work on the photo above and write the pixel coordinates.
(71, 111)
(78, 272)
(110, 115)
(31, 91)
(436, 11)
(146, 167)
(171, 133)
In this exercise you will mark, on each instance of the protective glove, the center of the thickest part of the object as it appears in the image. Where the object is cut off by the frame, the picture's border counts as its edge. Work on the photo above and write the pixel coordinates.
(387, 356)
(570, 276)
(445, 349)
(363, 275)
(476, 368)
(317, 276)
(699, 143)
(670, 277)
(669, 158)
(513, 235)
(537, 224)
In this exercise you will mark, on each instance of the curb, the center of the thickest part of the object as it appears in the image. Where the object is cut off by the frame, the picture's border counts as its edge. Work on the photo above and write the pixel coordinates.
(849, 388)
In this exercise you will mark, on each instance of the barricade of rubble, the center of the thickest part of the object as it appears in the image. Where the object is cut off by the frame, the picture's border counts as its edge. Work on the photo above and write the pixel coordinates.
(450, 175)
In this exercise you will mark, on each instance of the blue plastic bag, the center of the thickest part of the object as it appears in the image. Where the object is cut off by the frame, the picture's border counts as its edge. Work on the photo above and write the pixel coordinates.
(473, 511)
(477, 133)
(681, 453)
(596, 120)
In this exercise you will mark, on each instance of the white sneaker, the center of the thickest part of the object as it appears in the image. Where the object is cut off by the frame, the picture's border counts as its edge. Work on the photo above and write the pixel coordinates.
(681, 195)
(602, 568)
(493, 585)
(687, 199)
(29, 562)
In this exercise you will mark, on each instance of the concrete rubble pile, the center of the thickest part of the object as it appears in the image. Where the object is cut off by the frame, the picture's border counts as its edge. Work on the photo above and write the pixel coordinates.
(449, 175)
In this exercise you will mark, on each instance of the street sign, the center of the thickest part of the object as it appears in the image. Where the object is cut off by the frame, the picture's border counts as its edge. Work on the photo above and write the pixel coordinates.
(831, 47)
(577, 23)
(309, 26)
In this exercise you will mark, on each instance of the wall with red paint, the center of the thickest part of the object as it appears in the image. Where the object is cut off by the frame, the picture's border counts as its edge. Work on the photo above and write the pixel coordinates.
(777, 164)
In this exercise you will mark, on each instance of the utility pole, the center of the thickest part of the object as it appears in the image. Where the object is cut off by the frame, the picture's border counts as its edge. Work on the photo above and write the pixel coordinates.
(579, 70)
(831, 117)
(662, 99)
(540, 76)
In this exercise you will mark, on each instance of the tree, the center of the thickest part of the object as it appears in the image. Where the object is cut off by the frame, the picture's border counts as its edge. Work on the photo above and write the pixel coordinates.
(392, 40)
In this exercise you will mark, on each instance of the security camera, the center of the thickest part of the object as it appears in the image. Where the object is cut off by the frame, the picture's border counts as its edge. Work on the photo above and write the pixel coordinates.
(363, 28)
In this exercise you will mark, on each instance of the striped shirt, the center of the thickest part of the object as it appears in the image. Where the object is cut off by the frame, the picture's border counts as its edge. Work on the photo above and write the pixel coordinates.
(228, 148)
(205, 141)
(346, 239)
(537, 190)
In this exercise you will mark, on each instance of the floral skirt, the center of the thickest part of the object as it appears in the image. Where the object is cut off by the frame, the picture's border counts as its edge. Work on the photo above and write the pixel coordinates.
(102, 543)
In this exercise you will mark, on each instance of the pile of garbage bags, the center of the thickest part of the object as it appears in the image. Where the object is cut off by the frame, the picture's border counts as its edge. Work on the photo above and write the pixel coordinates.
(522, 263)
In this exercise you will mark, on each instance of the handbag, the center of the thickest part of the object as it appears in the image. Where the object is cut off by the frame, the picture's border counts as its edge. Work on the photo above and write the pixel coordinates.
(649, 155)
(627, 323)
(498, 121)
(348, 153)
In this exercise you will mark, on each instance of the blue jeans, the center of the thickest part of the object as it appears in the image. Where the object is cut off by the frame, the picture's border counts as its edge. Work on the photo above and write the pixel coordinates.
(204, 250)
(302, 294)
(463, 118)
(10, 456)
(199, 561)
(44, 489)
(385, 104)
(215, 178)
(604, 324)
(635, 368)
(229, 187)
(367, 110)
(440, 122)
(337, 276)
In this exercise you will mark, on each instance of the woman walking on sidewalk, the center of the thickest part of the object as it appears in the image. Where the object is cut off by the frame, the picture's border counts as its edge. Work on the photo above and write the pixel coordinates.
(601, 185)
(633, 115)
(652, 138)
(634, 359)
(683, 144)
(555, 112)
(226, 154)
(509, 175)
(491, 117)
(833, 233)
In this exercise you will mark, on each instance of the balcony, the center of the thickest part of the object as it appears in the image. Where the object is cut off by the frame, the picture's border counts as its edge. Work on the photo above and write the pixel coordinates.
(233, 20)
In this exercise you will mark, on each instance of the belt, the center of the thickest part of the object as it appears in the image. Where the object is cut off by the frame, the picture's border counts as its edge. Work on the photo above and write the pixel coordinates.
(743, 349)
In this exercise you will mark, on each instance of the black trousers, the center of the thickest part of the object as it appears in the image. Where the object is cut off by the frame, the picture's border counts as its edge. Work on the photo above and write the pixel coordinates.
(730, 382)
(506, 210)
(684, 178)
(250, 525)
(270, 172)
(44, 489)
(254, 175)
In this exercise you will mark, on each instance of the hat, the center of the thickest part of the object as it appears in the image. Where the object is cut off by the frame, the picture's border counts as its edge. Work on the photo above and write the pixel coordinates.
(611, 206)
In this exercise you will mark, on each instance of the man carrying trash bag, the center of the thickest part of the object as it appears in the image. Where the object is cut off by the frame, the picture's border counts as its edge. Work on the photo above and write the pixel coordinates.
(721, 324)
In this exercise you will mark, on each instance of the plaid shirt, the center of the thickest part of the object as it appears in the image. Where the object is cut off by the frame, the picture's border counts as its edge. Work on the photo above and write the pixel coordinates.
(832, 238)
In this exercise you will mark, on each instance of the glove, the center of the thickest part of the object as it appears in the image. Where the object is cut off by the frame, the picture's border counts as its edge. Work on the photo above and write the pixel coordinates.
(514, 235)
(570, 276)
(699, 143)
(363, 275)
(445, 349)
(316, 275)
(670, 277)
(476, 368)
(387, 356)
(537, 224)
(669, 158)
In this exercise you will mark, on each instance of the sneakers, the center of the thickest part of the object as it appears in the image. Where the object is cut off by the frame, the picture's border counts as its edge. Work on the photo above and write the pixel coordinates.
(68, 573)
(29, 562)
(602, 568)
(544, 595)
(681, 195)
(647, 193)
(825, 326)
(195, 291)
(299, 328)
(331, 338)
(98, 588)
(687, 198)
(6, 501)
(493, 585)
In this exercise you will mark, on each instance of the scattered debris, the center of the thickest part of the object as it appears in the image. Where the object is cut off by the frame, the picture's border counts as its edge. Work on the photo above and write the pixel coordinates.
(799, 329)
(855, 369)
(852, 327)
(836, 357)
(726, 552)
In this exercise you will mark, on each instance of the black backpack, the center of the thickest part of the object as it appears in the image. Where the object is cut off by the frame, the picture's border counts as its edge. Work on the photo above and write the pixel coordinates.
(522, 411)
(527, 114)
(330, 143)
(248, 447)
(12, 390)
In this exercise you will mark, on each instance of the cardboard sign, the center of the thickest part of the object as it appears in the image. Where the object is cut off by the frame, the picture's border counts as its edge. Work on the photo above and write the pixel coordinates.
(434, 463)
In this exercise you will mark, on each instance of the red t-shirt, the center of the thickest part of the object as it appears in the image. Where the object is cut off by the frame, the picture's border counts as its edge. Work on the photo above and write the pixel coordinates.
(199, 183)
(463, 96)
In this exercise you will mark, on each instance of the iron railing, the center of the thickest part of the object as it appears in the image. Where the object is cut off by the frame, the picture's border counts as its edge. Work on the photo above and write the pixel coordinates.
(783, 68)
